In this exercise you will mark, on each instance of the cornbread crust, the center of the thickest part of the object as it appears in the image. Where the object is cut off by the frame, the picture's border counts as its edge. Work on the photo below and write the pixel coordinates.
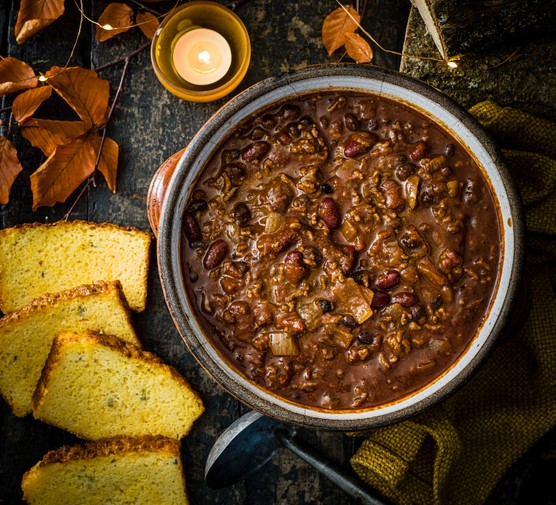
(14, 294)
(84, 290)
(26, 335)
(122, 470)
(126, 354)
(111, 446)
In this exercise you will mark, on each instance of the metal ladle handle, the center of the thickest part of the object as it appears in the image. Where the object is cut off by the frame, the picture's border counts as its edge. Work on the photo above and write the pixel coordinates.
(350, 484)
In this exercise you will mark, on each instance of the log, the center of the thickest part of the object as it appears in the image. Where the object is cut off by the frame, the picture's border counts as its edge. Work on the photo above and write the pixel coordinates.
(461, 26)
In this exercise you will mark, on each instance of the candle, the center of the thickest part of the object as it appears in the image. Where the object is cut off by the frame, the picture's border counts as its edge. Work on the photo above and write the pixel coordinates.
(201, 56)
(201, 51)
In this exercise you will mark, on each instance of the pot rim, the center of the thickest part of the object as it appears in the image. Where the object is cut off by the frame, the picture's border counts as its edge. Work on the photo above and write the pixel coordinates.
(331, 77)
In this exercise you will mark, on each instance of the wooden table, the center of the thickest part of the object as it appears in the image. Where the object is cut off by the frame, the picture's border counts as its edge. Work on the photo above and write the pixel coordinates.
(149, 125)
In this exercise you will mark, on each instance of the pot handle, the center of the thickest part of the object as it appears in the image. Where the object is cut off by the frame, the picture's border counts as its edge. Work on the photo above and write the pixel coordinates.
(158, 187)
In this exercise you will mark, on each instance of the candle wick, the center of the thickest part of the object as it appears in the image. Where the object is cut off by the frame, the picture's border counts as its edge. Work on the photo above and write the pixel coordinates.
(204, 57)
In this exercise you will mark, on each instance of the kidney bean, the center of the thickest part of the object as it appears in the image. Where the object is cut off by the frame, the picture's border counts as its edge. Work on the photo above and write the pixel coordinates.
(358, 143)
(197, 206)
(404, 171)
(348, 320)
(294, 258)
(392, 192)
(450, 149)
(284, 138)
(255, 151)
(191, 228)
(418, 150)
(427, 199)
(404, 298)
(325, 305)
(216, 252)
(329, 212)
(417, 312)
(290, 112)
(367, 338)
(380, 299)
(388, 279)
(268, 121)
(241, 213)
(326, 189)
(235, 172)
(362, 277)
(352, 123)
(257, 133)
(295, 273)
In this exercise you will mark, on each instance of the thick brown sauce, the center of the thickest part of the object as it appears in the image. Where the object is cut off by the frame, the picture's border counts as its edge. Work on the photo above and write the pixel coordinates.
(341, 250)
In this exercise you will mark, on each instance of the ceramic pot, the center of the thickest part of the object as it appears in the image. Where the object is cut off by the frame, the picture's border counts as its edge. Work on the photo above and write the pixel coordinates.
(170, 192)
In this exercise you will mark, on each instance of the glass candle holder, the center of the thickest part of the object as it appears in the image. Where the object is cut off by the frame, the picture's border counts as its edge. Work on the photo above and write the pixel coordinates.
(201, 51)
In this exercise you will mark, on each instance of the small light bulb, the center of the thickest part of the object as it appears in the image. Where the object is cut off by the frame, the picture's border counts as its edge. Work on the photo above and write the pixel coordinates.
(42, 78)
(107, 27)
(452, 64)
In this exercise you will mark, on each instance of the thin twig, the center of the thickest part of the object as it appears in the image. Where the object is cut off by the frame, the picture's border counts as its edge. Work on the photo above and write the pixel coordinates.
(505, 60)
(123, 58)
(146, 8)
(103, 138)
(83, 189)
(383, 48)
(6, 109)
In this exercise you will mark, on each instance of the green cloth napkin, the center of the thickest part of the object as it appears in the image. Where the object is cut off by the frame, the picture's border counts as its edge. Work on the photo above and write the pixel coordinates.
(457, 451)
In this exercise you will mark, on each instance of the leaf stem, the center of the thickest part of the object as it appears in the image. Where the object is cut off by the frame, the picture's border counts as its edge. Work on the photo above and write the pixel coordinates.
(123, 58)
(127, 59)
(146, 8)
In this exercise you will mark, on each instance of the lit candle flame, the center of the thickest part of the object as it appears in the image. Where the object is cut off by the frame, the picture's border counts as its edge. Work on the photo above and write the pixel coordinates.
(204, 57)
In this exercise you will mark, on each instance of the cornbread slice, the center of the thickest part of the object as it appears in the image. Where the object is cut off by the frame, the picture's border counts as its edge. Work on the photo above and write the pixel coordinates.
(123, 470)
(26, 335)
(98, 386)
(45, 258)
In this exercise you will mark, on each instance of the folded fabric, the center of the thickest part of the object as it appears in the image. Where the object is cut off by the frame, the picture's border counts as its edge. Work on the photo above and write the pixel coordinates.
(456, 452)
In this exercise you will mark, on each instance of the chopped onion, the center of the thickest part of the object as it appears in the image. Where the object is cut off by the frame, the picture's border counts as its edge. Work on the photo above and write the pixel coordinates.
(355, 299)
(273, 222)
(283, 344)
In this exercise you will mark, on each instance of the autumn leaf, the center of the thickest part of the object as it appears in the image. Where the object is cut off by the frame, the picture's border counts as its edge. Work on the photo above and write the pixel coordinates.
(108, 164)
(85, 92)
(118, 16)
(9, 168)
(25, 104)
(34, 15)
(64, 170)
(16, 75)
(48, 134)
(358, 48)
(336, 25)
(148, 24)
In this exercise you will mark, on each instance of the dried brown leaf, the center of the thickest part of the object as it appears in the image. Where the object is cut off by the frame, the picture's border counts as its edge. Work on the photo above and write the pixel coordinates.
(118, 16)
(148, 23)
(48, 134)
(108, 164)
(64, 170)
(34, 15)
(336, 25)
(16, 75)
(358, 48)
(25, 104)
(9, 168)
(84, 91)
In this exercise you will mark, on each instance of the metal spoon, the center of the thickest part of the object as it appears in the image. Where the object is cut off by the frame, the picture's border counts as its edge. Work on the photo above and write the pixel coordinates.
(250, 441)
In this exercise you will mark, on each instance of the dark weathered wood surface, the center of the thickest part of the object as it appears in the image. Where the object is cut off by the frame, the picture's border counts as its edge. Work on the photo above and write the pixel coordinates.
(150, 124)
